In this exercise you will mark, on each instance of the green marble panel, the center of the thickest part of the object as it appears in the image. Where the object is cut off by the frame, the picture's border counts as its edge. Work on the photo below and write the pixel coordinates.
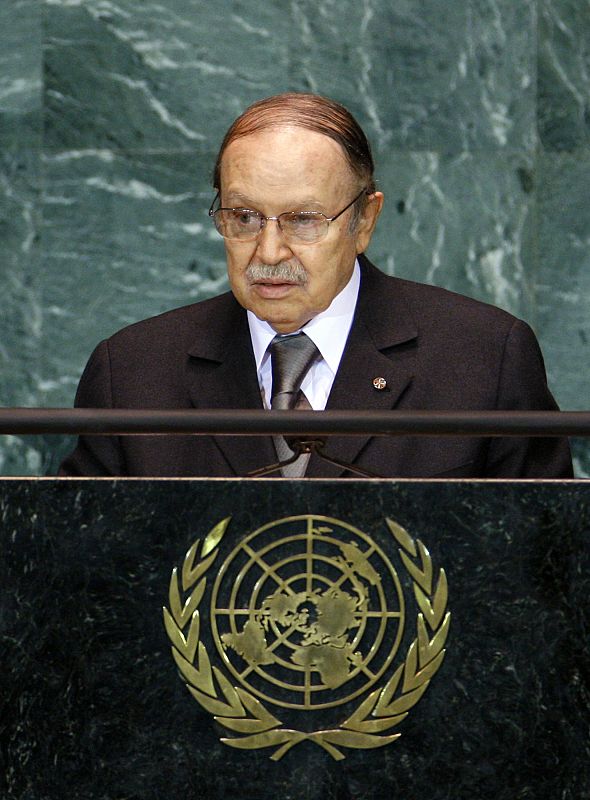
(20, 285)
(20, 73)
(21, 321)
(421, 75)
(461, 221)
(563, 289)
(182, 70)
(564, 74)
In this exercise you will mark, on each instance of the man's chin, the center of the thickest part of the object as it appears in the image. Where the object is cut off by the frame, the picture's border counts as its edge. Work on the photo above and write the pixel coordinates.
(281, 317)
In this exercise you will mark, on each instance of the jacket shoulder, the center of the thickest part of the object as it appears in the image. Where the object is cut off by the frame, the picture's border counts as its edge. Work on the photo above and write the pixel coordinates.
(179, 325)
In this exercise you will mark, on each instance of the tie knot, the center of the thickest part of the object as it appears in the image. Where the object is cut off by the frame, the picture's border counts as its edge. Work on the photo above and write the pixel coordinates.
(291, 358)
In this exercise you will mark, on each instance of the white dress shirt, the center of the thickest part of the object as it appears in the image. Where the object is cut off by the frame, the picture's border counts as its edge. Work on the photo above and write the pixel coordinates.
(328, 330)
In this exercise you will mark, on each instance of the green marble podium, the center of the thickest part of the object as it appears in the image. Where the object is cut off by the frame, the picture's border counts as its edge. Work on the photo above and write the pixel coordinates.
(94, 703)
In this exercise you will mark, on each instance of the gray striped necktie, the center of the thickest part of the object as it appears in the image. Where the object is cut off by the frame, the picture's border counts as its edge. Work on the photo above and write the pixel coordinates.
(291, 358)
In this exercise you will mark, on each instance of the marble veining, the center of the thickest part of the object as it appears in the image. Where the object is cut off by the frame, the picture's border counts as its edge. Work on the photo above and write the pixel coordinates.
(564, 75)
(20, 73)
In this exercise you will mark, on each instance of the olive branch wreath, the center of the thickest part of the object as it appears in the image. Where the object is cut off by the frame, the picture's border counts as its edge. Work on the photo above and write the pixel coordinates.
(239, 711)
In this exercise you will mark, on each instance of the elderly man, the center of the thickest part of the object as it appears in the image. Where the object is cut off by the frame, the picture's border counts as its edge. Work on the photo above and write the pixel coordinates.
(310, 322)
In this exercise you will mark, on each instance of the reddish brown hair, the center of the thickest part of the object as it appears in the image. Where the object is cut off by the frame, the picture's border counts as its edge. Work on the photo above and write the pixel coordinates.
(311, 111)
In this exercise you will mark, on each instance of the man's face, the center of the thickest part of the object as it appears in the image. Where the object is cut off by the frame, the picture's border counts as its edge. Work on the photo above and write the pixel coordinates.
(292, 169)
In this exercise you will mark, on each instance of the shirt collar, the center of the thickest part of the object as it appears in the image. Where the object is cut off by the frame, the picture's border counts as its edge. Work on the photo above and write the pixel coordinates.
(328, 330)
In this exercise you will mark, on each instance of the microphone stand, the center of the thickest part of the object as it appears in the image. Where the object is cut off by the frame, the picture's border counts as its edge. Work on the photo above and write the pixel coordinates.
(308, 446)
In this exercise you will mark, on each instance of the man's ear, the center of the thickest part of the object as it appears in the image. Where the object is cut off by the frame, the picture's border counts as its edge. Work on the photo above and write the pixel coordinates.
(368, 220)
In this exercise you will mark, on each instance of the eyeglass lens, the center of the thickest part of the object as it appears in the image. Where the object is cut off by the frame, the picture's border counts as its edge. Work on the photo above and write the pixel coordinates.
(239, 223)
(302, 226)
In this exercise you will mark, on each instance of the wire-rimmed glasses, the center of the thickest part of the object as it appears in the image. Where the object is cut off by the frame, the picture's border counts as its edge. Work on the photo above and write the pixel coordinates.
(246, 224)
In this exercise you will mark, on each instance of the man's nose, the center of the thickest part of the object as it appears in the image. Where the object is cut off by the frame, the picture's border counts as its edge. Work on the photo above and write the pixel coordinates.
(271, 245)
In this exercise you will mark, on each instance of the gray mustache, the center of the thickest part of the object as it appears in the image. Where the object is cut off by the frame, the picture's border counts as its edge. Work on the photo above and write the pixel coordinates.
(284, 271)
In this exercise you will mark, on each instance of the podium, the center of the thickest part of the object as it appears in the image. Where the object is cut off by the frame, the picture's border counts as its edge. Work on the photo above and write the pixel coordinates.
(302, 640)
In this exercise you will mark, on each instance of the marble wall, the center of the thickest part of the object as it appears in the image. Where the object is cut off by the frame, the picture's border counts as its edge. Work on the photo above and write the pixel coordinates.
(111, 112)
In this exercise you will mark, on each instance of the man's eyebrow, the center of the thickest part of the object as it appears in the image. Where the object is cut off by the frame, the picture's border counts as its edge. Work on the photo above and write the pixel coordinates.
(239, 198)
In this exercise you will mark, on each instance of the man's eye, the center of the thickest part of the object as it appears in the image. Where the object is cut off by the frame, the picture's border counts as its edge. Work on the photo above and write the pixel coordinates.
(305, 220)
(245, 217)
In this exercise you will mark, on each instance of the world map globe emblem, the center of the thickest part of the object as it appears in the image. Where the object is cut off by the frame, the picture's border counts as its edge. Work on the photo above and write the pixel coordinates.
(307, 612)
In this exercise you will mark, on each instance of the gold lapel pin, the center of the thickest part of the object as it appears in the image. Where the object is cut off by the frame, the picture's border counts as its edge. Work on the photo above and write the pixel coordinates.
(379, 384)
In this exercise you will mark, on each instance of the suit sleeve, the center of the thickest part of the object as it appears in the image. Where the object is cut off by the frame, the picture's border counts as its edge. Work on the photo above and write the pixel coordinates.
(522, 385)
(95, 455)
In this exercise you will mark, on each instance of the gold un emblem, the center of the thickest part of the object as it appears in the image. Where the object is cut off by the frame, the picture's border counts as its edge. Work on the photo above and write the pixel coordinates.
(304, 619)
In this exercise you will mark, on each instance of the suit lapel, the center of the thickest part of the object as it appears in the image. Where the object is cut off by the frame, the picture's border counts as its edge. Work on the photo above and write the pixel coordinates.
(377, 347)
(222, 374)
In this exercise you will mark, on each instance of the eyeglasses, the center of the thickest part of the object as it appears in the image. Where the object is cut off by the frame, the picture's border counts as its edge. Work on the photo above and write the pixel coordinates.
(245, 224)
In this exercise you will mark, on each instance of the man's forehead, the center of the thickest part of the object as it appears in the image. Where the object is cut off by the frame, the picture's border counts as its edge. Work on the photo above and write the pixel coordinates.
(281, 140)
(283, 157)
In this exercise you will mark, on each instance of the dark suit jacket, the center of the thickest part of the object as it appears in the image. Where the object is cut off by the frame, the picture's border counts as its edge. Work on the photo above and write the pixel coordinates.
(435, 349)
